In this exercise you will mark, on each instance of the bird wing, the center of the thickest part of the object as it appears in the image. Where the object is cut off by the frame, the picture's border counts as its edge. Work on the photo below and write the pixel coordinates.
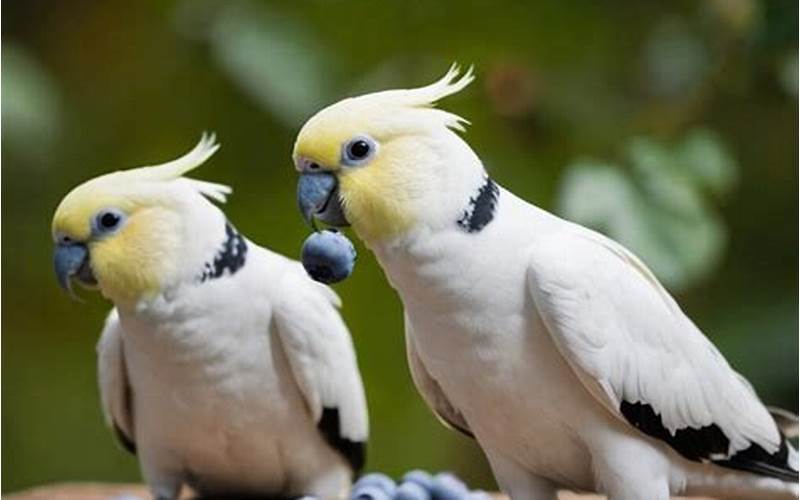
(323, 362)
(115, 389)
(636, 351)
(430, 389)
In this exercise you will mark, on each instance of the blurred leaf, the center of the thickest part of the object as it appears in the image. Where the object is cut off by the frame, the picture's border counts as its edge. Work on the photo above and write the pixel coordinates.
(703, 155)
(656, 208)
(274, 59)
(674, 59)
(30, 104)
(699, 159)
(584, 181)
(787, 74)
(739, 15)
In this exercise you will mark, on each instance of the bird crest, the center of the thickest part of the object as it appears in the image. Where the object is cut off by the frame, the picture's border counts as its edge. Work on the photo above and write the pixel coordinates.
(427, 96)
(383, 113)
(176, 169)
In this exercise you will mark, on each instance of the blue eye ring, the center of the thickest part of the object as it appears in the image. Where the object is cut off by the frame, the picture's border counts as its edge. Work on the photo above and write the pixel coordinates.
(108, 221)
(359, 150)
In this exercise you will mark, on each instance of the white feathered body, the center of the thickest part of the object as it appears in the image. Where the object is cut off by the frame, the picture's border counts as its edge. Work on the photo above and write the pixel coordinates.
(551, 344)
(222, 365)
(474, 329)
(215, 402)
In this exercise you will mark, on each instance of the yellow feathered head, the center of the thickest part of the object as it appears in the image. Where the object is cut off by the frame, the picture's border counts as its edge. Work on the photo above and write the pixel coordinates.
(382, 161)
(126, 231)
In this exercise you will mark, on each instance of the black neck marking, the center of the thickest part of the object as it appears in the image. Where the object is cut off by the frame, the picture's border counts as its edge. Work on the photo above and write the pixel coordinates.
(480, 211)
(231, 257)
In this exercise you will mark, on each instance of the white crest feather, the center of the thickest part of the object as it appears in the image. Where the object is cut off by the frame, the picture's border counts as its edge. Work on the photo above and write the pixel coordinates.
(427, 96)
(186, 163)
(213, 190)
(175, 170)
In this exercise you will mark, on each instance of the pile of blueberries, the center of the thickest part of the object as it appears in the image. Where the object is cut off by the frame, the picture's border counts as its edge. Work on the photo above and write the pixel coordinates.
(415, 485)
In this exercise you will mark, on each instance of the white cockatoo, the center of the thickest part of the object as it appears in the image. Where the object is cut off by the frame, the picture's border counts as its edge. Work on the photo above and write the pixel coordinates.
(554, 346)
(223, 367)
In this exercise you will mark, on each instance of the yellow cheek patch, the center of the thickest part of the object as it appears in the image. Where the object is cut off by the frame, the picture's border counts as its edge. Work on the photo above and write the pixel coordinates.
(376, 202)
(133, 262)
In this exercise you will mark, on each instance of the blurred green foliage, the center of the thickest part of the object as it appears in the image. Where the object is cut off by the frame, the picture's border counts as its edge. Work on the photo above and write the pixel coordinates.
(670, 125)
(659, 208)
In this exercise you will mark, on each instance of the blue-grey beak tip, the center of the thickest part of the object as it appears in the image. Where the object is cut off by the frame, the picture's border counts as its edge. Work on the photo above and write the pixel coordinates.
(318, 198)
(67, 262)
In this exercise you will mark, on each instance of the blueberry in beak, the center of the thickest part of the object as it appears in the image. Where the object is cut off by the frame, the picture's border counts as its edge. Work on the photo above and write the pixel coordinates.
(328, 256)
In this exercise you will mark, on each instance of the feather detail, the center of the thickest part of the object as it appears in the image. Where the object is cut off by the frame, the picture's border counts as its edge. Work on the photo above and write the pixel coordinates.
(174, 169)
(427, 96)
(212, 190)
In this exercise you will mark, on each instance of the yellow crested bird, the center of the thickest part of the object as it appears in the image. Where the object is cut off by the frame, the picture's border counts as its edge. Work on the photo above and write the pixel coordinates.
(222, 365)
(552, 345)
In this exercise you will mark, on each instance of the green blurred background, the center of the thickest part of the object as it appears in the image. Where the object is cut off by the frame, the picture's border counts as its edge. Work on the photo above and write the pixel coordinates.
(670, 125)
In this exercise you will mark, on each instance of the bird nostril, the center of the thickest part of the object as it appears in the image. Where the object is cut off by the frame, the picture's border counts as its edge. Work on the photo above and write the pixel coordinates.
(313, 166)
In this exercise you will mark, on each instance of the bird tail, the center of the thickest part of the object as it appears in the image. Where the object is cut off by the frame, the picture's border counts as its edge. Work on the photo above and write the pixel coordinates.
(785, 420)
(717, 482)
(792, 458)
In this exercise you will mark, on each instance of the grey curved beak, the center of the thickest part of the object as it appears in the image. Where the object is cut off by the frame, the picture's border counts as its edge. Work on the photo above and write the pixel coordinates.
(72, 260)
(318, 198)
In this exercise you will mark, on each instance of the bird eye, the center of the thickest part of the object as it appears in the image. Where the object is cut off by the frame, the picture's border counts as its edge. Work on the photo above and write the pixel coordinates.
(358, 150)
(107, 221)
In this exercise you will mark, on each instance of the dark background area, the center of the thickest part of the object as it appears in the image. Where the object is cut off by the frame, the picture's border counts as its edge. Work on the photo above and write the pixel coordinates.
(671, 126)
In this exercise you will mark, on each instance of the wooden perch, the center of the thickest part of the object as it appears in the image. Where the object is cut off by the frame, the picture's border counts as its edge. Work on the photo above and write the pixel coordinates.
(108, 491)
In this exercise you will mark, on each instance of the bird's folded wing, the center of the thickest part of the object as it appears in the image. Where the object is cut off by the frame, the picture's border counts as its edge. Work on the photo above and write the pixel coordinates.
(430, 389)
(636, 351)
(323, 362)
(115, 391)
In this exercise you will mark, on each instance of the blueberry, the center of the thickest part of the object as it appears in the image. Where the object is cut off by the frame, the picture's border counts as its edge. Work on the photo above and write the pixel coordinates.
(369, 492)
(447, 486)
(328, 256)
(411, 490)
(420, 477)
(377, 480)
